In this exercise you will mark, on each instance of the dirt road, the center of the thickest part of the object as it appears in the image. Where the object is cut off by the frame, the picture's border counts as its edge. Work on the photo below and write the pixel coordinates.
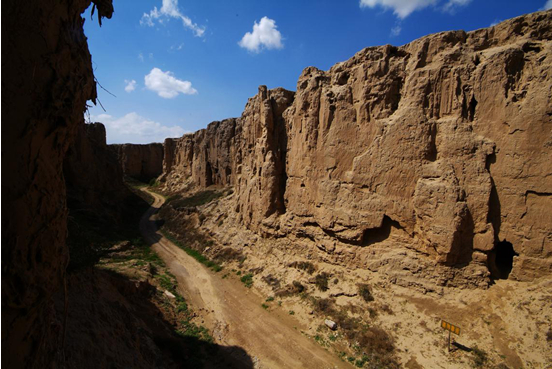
(272, 338)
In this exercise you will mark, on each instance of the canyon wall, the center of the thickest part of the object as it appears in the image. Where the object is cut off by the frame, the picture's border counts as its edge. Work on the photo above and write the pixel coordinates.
(93, 176)
(205, 157)
(445, 141)
(142, 162)
(46, 82)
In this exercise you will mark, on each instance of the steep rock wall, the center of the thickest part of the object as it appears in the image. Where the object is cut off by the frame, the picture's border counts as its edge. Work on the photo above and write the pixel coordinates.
(93, 176)
(205, 157)
(46, 82)
(445, 140)
(261, 142)
(143, 162)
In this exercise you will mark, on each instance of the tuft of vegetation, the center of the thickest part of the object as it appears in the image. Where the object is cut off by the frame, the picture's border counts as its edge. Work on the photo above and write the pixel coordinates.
(270, 298)
(297, 287)
(247, 280)
(154, 183)
(479, 357)
(365, 293)
(304, 265)
(373, 341)
(291, 312)
(264, 306)
(193, 253)
(189, 329)
(321, 281)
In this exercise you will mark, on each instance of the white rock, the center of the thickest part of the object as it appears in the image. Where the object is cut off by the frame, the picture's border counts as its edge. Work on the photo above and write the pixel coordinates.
(331, 324)
(169, 295)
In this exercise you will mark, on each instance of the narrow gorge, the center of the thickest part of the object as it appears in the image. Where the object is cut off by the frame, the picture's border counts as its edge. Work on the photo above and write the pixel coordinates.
(333, 226)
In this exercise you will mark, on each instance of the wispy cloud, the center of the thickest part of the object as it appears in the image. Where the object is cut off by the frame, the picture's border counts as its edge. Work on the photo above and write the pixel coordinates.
(166, 85)
(130, 85)
(265, 35)
(403, 8)
(395, 31)
(451, 5)
(141, 57)
(169, 9)
(176, 47)
(133, 128)
(547, 6)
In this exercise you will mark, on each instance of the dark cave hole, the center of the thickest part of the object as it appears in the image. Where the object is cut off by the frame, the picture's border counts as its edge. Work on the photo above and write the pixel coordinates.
(379, 234)
(501, 260)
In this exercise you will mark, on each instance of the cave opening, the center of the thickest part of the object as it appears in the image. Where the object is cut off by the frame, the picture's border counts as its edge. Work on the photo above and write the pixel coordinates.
(381, 233)
(502, 260)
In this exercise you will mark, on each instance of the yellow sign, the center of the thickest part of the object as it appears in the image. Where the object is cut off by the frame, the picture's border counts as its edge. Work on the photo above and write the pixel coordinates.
(449, 327)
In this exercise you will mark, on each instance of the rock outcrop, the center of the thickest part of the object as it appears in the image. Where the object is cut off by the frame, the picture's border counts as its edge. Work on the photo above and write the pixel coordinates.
(142, 162)
(445, 141)
(46, 82)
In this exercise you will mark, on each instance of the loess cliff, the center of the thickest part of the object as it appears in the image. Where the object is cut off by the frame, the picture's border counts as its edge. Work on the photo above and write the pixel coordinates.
(47, 79)
(439, 148)
(141, 162)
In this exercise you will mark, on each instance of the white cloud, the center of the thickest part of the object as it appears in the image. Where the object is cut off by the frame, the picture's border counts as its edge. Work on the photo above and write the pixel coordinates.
(141, 57)
(401, 8)
(166, 85)
(133, 128)
(395, 31)
(130, 85)
(169, 9)
(497, 21)
(264, 35)
(547, 6)
(452, 5)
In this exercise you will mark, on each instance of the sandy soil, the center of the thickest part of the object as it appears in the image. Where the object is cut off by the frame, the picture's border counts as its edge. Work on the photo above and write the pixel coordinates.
(234, 313)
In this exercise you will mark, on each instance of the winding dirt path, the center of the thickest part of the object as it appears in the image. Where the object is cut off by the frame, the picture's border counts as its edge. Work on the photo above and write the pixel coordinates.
(271, 338)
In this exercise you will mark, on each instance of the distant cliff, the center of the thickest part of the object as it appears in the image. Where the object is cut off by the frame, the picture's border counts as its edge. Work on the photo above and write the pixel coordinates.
(142, 162)
(445, 141)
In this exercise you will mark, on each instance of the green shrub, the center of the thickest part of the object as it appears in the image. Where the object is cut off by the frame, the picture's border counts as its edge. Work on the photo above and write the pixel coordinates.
(247, 280)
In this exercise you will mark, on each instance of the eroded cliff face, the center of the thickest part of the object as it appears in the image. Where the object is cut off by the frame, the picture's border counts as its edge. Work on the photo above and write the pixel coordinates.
(440, 146)
(93, 176)
(142, 162)
(46, 82)
(205, 157)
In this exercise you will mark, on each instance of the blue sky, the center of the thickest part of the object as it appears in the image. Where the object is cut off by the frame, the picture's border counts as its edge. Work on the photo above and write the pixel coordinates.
(174, 66)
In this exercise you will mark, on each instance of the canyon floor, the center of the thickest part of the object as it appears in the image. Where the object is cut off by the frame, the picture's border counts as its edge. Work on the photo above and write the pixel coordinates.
(505, 326)
(235, 313)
